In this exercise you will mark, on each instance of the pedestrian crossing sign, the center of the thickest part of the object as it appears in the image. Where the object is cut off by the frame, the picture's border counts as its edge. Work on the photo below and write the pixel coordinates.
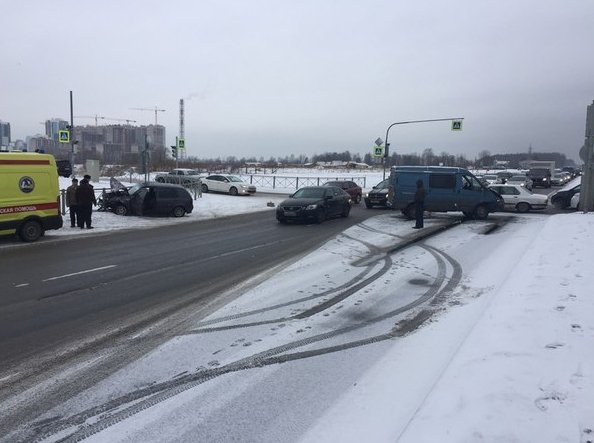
(64, 136)
(378, 151)
(456, 125)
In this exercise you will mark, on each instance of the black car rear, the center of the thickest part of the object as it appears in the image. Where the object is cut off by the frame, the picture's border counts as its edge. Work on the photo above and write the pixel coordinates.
(64, 168)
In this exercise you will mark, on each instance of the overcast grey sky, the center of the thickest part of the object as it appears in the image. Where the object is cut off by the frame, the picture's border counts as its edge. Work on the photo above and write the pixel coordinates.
(274, 77)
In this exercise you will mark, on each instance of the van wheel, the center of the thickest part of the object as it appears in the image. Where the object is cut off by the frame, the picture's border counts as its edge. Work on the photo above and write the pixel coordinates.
(178, 211)
(30, 231)
(120, 210)
(523, 207)
(481, 212)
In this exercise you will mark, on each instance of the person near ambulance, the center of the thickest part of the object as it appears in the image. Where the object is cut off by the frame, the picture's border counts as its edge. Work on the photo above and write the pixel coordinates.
(71, 202)
(85, 198)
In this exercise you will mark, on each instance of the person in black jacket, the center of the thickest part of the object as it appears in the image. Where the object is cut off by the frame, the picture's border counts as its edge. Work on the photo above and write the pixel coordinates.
(85, 198)
(419, 204)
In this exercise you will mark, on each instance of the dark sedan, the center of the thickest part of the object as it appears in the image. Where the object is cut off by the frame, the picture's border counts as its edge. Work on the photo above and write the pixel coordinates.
(352, 188)
(314, 203)
(378, 196)
(562, 199)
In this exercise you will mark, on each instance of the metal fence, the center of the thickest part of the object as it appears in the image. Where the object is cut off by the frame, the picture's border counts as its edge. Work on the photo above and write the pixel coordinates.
(275, 182)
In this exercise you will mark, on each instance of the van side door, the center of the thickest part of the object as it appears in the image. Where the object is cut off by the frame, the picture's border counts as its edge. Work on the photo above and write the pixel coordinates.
(441, 192)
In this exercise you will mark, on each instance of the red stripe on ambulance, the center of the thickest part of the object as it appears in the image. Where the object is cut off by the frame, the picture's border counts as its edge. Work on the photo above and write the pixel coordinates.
(24, 162)
(28, 208)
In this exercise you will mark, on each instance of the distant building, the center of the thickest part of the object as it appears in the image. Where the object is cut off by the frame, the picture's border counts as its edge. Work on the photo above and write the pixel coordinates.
(116, 144)
(53, 126)
(4, 134)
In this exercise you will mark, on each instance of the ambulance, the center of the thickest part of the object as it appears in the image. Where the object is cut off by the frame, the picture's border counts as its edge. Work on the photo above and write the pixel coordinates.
(29, 195)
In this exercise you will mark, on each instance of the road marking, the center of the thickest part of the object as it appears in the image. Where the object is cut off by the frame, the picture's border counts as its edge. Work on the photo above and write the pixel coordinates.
(8, 377)
(21, 285)
(80, 272)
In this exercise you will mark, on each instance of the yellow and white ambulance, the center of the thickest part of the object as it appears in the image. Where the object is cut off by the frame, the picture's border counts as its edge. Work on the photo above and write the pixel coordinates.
(29, 194)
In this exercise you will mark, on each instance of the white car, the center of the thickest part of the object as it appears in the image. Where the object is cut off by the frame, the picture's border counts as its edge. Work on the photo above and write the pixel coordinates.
(229, 184)
(518, 198)
(522, 180)
(491, 179)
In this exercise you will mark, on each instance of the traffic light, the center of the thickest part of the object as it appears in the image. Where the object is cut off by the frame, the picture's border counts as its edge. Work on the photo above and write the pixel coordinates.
(174, 151)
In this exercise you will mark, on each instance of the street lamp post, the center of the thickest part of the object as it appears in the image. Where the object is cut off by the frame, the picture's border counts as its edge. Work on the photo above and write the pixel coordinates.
(413, 121)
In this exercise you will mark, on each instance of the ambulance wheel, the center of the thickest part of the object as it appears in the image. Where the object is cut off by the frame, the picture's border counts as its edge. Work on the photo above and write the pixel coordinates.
(30, 231)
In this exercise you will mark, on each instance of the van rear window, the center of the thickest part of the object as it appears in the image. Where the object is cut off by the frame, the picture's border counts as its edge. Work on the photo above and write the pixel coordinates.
(444, 181)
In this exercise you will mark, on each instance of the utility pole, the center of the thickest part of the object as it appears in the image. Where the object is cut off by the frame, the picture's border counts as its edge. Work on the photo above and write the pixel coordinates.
(145, 153)
(587, 155)
(71, 133)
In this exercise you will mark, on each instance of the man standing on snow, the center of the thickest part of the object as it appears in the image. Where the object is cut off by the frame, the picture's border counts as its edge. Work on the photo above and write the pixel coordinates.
(85, 197)
(419, 204)
(71, 202)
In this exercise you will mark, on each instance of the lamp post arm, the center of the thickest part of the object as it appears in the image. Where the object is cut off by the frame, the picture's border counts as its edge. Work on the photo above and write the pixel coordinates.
(414, 121)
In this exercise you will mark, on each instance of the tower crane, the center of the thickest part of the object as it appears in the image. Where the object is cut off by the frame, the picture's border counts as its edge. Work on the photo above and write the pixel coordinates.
(96, 117)
(155, 110)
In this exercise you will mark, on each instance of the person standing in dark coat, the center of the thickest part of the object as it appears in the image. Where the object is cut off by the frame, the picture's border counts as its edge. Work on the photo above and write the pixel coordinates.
(85, 197)
(419, 204)
(71, 202)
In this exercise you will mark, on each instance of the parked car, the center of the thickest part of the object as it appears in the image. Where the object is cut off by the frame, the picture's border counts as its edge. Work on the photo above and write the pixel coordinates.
(147, 199)
(180, 176)
(504, 176)
(229, 184)
(64, 168)
(490, 179)
(314, 203)
(562, 198)
(352, 188)
(518, 198)
(378, 196)
(522, 180)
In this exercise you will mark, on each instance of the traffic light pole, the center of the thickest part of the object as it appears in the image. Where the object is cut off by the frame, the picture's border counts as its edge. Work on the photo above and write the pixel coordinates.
(386, 151)
(71, 130)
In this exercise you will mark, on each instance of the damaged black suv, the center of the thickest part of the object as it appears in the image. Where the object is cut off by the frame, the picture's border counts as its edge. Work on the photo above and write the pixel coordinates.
(146, 199)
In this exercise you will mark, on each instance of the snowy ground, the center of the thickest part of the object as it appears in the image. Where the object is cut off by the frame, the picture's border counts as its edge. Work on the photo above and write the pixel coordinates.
(463, 337)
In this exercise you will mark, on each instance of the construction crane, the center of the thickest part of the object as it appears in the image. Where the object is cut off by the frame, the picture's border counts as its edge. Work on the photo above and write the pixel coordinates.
(96, 117)
(155, 110)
